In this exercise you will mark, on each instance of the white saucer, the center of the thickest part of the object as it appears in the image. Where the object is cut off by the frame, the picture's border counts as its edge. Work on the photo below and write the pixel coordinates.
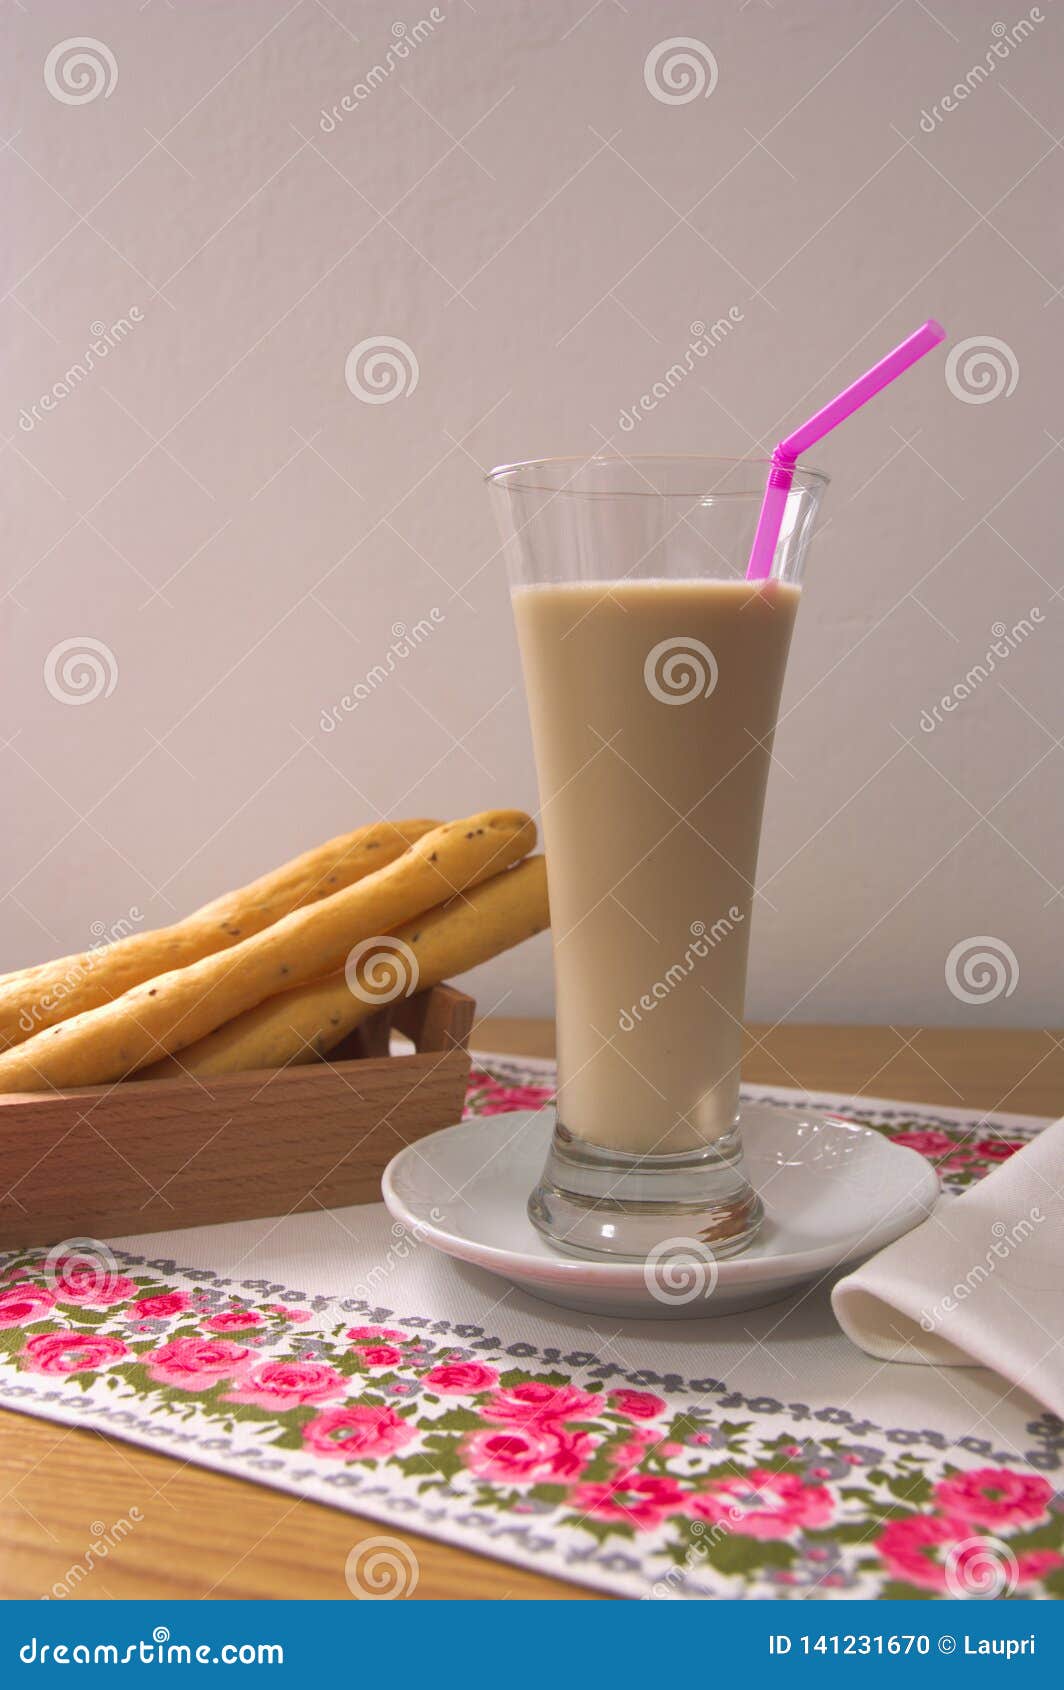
(834, 1193)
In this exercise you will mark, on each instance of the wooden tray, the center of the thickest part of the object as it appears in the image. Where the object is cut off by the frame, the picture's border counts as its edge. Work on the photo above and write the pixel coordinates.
(154, 1155)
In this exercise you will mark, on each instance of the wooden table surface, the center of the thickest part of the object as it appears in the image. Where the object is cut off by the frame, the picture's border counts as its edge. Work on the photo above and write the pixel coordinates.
(203, 1535)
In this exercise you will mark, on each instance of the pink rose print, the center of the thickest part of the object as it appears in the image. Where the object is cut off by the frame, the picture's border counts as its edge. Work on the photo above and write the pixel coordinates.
(631, 1452)
(1035, 1564)
(536, 1404)
(993, 1496)
(627, 1455)
(495, 1097)
(515, 1455)
(380, 1355)
(195, 1364)
(638, 1405)
(21, 1304)
(461, 1378)
(916, 1551)
(567, 1453)
(87, 1285)
(642, 1500)
(286, 1384)
(998, 1149)
(233, 1320)
(513, 1097)
(71, 1352)
(288, 1313)
(161, 1307)
(929, 1142)
(352, 1434)
(910, 1548)
(387, 1332)
(764, 1505)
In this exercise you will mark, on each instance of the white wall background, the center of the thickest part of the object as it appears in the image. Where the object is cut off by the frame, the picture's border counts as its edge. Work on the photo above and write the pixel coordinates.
(242, 532)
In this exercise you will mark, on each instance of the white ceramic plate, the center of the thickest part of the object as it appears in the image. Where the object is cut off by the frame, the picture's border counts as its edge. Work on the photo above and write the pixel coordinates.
(834, 1193)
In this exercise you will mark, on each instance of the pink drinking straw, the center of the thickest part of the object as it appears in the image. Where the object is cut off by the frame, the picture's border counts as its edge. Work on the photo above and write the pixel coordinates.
(788, 451)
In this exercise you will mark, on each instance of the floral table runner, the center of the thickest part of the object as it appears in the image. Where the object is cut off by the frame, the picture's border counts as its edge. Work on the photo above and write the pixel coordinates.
(335, 1356)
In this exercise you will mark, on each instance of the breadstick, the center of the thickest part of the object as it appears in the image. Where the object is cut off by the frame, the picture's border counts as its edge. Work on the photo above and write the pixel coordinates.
(164, 1015)
(32, 999)
(301, 1025)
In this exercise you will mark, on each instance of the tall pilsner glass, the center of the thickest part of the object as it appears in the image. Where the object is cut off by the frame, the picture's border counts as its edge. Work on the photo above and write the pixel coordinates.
(653, 671)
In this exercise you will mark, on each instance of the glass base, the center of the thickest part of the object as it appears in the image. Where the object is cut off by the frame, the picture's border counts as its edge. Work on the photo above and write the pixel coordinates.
(596, 1202)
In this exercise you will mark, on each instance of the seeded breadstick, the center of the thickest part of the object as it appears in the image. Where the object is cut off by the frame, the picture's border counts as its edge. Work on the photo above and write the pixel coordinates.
(32, 999)
(164, 1015)
(301, 1025)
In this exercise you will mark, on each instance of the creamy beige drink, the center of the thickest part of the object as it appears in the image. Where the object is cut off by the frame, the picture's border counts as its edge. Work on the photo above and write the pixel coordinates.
(653, 706)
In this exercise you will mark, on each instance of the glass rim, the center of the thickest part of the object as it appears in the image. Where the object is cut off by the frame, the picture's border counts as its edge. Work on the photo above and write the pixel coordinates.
(509, 477)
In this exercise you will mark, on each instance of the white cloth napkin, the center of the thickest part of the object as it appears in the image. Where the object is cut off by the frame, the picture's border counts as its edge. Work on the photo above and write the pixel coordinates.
(980, 1283)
